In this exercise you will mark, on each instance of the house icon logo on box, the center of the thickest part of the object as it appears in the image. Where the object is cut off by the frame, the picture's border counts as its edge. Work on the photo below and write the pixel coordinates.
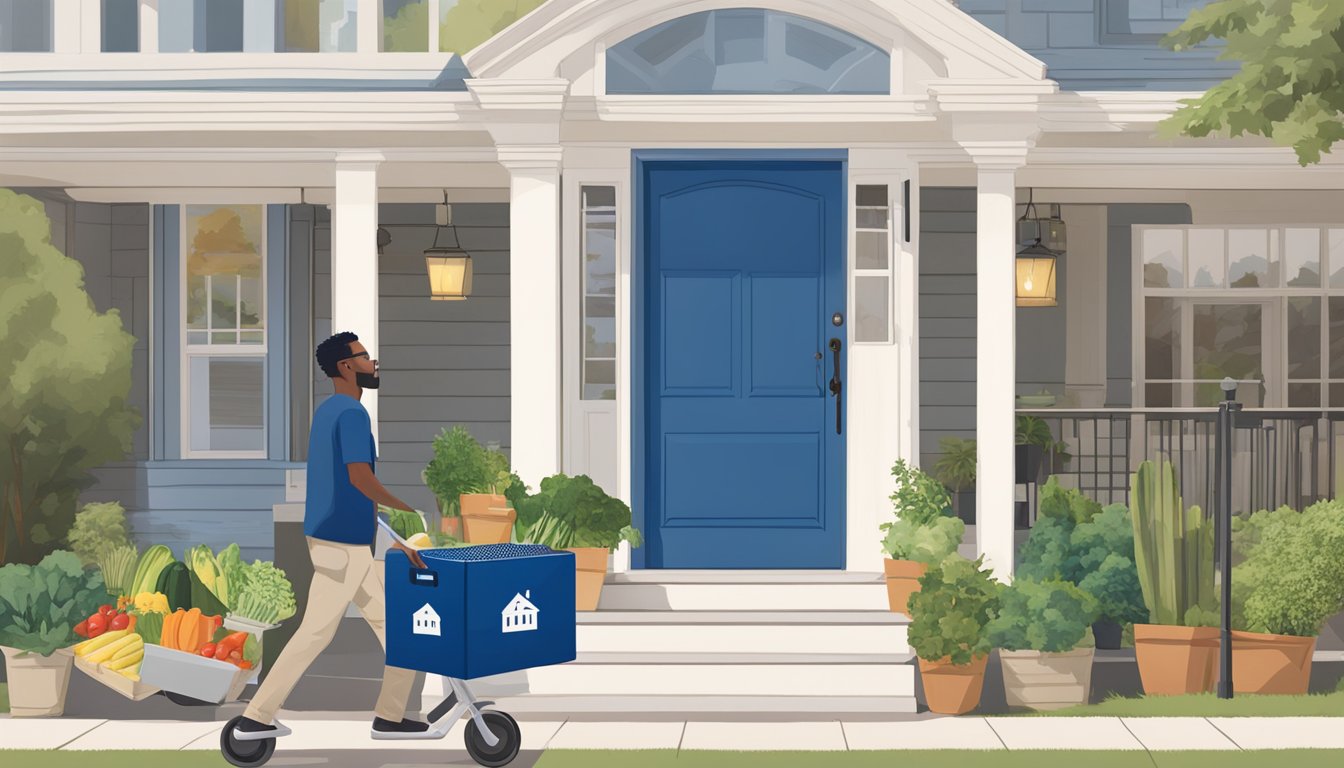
(426, 621)
(520, 615)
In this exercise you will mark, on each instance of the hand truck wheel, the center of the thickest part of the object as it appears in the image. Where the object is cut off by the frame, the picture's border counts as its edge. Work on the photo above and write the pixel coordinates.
(505, 728)
(244, 754)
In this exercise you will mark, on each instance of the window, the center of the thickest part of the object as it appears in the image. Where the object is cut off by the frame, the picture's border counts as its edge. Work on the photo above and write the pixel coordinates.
(201, 26)
(1143, 21)
(746, 50)
(872, 265)
(121, 26)
(599, 293)
(25, 26)
(1252, 303)
(315, 26)
(224, 318)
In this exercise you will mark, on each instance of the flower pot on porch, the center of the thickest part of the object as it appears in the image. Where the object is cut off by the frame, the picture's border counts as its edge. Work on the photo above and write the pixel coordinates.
(487, 518)
(953, 689)
(1040, 680)
(37, 684)
(591, 566)
(1108, 635)
(902, 582)
(1271, 663)
(966, 506)
(1176, 660)
(1028, 463)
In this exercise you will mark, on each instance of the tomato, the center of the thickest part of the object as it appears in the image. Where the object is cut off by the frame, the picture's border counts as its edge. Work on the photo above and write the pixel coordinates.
(97, 625)
(119, 621)
(103, 610)
(82, 628)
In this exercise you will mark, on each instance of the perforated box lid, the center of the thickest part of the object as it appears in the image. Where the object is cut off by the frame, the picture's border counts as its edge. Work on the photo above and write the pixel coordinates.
(486, 552)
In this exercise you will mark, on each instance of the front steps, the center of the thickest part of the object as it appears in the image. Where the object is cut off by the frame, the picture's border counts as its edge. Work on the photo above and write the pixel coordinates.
(687, 643)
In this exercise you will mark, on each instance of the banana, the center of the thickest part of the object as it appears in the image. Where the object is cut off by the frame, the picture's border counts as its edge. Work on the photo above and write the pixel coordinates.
(89, 646)
(126, 662)
(109, 650)
(137, 645)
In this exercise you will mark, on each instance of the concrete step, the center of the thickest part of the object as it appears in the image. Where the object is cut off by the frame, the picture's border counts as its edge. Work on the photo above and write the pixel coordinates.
(743, 632)
(744, 590)
(773, 708)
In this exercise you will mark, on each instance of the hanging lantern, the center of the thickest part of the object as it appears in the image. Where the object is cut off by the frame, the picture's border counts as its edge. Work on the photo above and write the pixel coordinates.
(449, 267)
(1036, 276)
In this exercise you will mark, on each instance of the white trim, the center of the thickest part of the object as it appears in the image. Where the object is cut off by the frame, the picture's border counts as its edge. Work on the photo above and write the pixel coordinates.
(149, 26)
(435, 18)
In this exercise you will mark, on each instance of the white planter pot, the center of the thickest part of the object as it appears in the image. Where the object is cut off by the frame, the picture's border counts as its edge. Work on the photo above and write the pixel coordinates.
(1039, 680)
(37, 684)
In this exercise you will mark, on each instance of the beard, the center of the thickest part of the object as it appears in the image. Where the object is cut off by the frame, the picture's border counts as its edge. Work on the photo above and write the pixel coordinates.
(366, 380)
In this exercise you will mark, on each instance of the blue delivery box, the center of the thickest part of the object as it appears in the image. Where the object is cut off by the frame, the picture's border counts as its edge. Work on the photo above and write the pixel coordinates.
(481, 610)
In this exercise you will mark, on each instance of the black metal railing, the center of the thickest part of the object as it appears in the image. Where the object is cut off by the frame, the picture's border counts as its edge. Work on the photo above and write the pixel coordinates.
(1280, 456)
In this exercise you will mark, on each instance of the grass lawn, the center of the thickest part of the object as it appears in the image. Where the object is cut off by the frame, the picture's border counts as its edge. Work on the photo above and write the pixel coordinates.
(1209, 705)
(655, 758)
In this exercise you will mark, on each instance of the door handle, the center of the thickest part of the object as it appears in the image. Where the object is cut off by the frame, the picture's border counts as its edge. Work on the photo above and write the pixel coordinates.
(836, 384)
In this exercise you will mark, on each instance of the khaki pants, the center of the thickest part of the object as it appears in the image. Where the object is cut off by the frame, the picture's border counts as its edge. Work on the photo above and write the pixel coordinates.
(341, 573)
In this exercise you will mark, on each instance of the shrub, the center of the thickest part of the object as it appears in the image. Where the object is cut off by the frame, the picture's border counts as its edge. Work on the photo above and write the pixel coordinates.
(96, 526)
(41, 604)
(955, 602)
(924, 530)
(1050, 616)
(1293, 577)
(919, 498)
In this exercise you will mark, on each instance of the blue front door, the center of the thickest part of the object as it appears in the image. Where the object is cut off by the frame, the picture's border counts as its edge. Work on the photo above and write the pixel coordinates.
(743, 463)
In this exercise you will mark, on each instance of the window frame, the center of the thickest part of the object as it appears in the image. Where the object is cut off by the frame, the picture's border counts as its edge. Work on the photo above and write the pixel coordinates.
(187, 351)
(895, 214)
(1107, 35)
(585, 296)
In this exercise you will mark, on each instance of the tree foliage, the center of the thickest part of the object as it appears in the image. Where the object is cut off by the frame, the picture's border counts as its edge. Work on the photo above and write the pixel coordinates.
(465, 25)
(63, 409)
(1289, 87)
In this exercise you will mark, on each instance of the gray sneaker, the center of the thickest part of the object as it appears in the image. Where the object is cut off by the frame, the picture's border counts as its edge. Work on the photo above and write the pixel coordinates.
(251, 730)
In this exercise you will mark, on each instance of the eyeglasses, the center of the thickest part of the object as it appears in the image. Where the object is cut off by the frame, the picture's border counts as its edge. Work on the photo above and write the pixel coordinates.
(364, 355)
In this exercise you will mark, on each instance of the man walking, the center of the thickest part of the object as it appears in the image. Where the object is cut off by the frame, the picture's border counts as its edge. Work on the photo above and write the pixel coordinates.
(340, 524)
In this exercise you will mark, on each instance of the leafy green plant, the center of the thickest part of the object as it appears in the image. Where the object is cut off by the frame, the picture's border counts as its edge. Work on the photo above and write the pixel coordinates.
(919, 497)
(577, 511)
(98, 525)
(1050, 616)
(956, 467)
(267, 595)
(462, 465)
(405, 522)
(41, 604)
(65, 408)
(924, 530)
(957, 599)
(1173, 549)
(1293, 578)
(1032, 430)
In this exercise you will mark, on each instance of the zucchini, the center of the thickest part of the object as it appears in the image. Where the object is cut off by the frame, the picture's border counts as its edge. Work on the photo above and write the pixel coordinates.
(175, 584)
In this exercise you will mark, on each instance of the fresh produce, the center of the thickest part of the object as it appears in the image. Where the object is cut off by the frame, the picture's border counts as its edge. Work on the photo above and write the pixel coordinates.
(118, 567)
(203, 598)
(175, 584)
(40, 605)
(152, 563)
(420, 541)
(188, 630)
(230, 581)
(405, 522)
(106, 619)
(149, 626)
(267, 596)
(107, 638)
(151, 602)
(120, 651)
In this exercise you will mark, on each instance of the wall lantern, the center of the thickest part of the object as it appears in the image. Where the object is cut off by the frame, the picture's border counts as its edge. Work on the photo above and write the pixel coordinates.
(1045, 241)
(449, 268)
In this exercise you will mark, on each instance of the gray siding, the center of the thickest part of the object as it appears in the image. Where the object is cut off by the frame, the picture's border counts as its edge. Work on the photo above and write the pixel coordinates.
(1067, 36)
(444, 363)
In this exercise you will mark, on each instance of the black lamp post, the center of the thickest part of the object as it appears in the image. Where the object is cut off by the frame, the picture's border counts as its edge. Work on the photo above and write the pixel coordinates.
(1227, 414)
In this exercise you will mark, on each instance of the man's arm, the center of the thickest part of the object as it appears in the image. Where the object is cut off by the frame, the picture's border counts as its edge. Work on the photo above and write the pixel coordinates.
(362, 477)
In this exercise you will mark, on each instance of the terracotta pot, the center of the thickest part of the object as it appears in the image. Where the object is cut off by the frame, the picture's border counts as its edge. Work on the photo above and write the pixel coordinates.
(487, 518)
(591, 566)
(1040, 680)
(902, 582)
(37, 684)
(1271, 663)
(451, 526)
(953, 689)
(1176, 660)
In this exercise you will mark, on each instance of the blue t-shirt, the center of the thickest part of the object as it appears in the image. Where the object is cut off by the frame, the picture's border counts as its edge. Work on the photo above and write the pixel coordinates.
(335, 509)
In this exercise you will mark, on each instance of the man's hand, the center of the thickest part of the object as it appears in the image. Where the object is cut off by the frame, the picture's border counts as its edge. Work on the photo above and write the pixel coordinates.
(411, 553)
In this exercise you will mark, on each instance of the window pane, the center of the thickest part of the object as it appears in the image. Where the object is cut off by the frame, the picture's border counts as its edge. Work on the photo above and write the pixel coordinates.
(872, 250)
(1302, 254)
(872, 196)
(121, 26)
(1251, 261)
(1162, 338)
(252, 309)
(1336, 337)
(600, 327)
(1159, 395)
(599, 240)
(315, 26)
(599, 380)
(224, 255)
(599, 304)
(406, 25)
(872, 319)
(1304, 337)
(1163, 258)
(25, 26)
(1336, 395)
(1336, 238)
(198, 25)
(1207, 248)
(223, 302)
(872, 218)
(1304, 395)
(227, 404)
(196, 301)
(1227, 342)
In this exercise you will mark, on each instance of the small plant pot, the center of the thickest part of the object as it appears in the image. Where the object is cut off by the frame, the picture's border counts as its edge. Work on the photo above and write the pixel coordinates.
(451, 526)
(591, 566)
(1176, 660)
(1108, 634)
(1278, 664)
(487, 518)
(966, 506)
(953, 689)
(37, 684)
(1042, 681)
(902, 582)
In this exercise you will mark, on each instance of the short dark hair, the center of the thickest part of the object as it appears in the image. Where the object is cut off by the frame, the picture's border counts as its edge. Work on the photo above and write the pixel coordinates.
(333, 350)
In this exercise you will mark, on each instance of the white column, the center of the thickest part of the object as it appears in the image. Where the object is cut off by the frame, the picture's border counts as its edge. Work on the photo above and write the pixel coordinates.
(369, 26)
(995, 366)
(91, 26)
(149, 26)
(434, 15)
(354, 258)
(66, 24)
(534, 310)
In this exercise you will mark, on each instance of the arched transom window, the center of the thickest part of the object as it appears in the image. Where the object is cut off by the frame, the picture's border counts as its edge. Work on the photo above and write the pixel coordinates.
(746, 51)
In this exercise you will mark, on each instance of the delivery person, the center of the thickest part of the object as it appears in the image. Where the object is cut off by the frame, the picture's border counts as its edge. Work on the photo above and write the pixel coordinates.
(339, 522)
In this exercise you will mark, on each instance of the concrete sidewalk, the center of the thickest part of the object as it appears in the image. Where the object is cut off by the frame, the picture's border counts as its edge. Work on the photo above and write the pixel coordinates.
(914, 732)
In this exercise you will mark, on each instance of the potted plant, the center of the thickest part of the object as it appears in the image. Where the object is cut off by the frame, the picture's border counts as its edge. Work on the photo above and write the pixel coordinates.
(1042, 631)
(469, 482)
(956, 600)
(923, 533)
(1177, 650)
(574, 514)
(40, 606)
(956, 470)
(1033, 435)
(1290, 583)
